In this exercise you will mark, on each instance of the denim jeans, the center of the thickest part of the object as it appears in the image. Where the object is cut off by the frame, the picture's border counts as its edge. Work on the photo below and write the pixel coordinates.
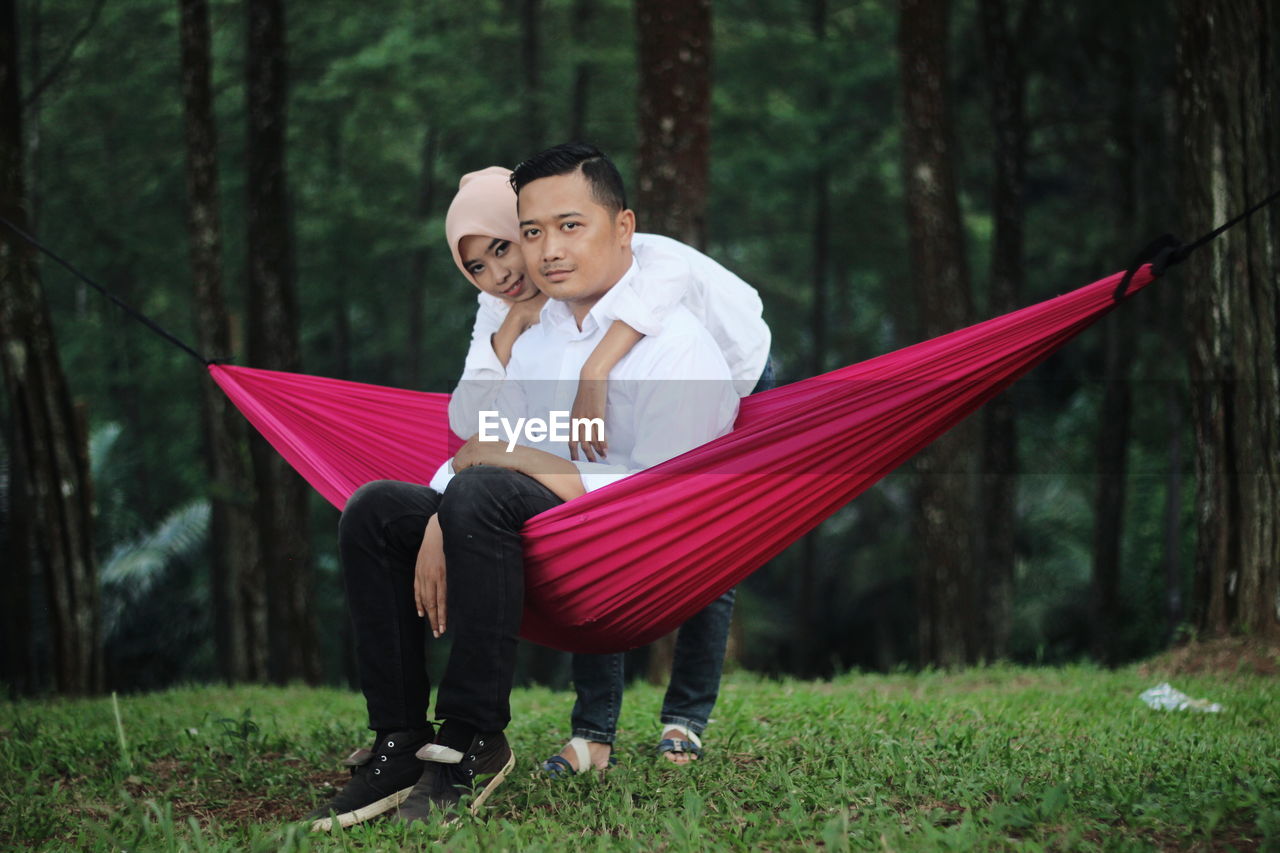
(481, 514)
(695, 669)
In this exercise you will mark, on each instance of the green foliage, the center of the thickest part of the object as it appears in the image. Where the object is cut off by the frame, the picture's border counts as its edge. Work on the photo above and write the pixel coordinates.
(994, 758)
(373, 94)
(134, 568)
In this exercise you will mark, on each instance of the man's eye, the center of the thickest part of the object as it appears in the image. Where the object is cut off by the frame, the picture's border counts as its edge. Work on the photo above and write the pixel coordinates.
(531, 233)
(569, 226)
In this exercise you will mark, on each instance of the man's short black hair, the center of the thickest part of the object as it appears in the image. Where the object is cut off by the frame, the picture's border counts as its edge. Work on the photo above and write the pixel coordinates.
(607, 189)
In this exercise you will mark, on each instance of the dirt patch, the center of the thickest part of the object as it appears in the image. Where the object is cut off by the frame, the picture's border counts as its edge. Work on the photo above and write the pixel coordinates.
(1247, 655)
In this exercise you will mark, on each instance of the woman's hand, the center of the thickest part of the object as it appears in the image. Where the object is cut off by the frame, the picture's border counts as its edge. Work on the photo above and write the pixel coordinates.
(429, 584)
(529, 312)
(589, 404)
(521, 316)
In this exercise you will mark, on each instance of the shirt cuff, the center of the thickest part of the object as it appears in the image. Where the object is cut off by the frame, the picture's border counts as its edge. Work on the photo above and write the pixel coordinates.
(596, 475)
(440, 481)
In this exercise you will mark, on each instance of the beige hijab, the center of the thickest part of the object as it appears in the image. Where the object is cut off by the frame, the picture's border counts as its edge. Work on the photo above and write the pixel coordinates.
(485, 205)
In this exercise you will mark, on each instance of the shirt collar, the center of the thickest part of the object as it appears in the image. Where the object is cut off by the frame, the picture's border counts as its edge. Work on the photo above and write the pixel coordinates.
(558, 315)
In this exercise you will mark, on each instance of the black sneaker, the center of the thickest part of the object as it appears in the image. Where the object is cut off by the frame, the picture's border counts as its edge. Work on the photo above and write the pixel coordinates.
(380, 780)
(450, 774)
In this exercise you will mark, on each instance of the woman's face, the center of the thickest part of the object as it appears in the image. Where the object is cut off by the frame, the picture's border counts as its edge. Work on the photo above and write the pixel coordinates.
(497, 267)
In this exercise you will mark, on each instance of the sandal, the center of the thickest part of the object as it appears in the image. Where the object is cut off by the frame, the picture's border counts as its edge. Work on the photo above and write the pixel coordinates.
(557, 765)
(680, 746)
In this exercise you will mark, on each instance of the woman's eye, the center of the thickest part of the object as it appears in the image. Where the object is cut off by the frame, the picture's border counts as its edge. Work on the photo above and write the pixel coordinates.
(501, 249)
(476, 270)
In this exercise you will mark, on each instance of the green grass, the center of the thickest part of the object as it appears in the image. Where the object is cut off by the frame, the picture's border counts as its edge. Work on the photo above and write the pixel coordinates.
(1063, 759)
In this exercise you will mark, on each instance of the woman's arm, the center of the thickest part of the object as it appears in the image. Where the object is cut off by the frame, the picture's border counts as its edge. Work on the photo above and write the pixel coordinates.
(593, 387)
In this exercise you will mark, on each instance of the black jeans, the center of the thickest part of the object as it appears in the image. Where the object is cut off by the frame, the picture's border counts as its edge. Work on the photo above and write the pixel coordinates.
(481, 514)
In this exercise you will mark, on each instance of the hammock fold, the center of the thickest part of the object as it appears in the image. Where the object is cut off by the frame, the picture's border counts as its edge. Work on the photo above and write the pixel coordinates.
(628, 563)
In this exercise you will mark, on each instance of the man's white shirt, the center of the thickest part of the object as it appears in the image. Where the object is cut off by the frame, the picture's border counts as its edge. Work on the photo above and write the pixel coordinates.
(672, 392)
(671, 274)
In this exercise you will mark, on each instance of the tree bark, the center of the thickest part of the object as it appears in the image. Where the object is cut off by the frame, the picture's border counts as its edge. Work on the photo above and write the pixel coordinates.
(51, 471)
(948, 605)
(1230, 136)
(273, 343)
(239, 587)
(674, 50)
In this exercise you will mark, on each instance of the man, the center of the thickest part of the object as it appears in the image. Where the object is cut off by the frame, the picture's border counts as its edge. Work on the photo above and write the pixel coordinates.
(453, 552)
(483, 232)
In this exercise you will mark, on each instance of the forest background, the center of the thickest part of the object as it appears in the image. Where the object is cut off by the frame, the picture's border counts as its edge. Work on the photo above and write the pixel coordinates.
(269, 181)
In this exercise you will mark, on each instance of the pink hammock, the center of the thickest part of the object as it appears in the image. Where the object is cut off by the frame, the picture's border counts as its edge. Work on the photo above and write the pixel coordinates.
(628, 563)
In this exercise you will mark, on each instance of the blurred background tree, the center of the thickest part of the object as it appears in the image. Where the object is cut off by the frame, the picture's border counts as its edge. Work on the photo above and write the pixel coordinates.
(143, 160)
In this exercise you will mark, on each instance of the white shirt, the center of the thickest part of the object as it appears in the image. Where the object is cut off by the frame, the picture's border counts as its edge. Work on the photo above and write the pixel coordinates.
(671, 393)
(671, 274)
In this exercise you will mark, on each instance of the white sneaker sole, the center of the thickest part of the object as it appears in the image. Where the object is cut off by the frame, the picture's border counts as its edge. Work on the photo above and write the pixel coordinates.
(360, 815)
(493, 783)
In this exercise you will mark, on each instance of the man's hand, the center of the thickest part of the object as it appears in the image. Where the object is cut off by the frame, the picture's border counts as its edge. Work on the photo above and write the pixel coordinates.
(429, 584)
(589, 404)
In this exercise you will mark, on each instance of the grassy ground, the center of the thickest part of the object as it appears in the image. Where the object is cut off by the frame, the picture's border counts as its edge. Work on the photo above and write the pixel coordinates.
(1063, 759)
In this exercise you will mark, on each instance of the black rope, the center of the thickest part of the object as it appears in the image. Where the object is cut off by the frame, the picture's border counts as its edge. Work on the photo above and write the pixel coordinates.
(1167, 250)
(128, 309)
(1162, 253)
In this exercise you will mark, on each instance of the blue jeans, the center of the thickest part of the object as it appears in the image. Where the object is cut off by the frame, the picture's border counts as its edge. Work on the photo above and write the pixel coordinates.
(695, 669)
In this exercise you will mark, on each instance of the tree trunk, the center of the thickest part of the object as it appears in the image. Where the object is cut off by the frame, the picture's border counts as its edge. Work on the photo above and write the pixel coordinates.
(421, 256)
(1114, 421)
(1007, 80)
(530, 60)
(674, 47)
(674, 52)
(273, 343)
(1112, 453)
(803, 607)
(239, 587)
(1174, 607)
(948, 606)
(580, 23)
(1230, 157)
(51, 471)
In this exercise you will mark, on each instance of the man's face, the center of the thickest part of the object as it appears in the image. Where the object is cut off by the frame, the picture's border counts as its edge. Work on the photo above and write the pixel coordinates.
(574, 248)
(497, 267)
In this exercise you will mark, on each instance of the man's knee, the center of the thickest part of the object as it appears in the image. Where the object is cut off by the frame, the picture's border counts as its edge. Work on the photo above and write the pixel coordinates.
(479, 492)
(363, 508)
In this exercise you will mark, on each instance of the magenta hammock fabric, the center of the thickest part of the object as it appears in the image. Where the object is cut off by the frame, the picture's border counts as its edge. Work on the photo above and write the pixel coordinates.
(626, 564)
